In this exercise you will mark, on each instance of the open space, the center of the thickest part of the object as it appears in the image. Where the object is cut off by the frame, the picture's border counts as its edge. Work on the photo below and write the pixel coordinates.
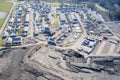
(115, 27)
(53, 4)
(105, 48)
(100, 8)
(4, 7)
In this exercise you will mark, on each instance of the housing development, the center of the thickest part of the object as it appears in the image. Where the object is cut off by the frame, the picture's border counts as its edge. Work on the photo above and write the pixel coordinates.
(58, 41)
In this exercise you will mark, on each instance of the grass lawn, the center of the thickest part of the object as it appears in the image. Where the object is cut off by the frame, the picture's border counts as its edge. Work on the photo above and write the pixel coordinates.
(57, 35)
(2, 43)
(100, 8)
(53, 4)
(5, 7)
(20, 31)
(67, 44)
(56, 21)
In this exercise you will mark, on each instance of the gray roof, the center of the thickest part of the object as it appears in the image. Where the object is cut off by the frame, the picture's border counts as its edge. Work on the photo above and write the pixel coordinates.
(11, 20)
(26, 28)
(72, 17)
(62, 17)
(27, 18)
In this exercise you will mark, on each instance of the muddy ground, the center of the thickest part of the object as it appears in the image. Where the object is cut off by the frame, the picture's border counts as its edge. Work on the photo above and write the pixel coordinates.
(23, 64)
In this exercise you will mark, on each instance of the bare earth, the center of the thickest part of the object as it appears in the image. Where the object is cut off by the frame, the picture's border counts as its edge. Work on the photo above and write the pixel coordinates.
(47, 63)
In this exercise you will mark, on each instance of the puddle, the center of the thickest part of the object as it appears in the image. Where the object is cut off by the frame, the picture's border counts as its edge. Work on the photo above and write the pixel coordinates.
(2, 14)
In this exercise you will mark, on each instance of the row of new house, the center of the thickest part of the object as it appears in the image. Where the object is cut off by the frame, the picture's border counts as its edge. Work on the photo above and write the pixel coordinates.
(71, 18)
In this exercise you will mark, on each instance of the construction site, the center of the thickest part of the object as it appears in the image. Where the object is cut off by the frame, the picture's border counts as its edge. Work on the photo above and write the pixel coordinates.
(55, 41)
(45, 62)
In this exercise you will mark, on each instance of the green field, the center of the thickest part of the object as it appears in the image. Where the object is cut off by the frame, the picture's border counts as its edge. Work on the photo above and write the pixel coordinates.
(56, 21)
(2, 43)
(53, 4)
(100, 8)
(5, 7)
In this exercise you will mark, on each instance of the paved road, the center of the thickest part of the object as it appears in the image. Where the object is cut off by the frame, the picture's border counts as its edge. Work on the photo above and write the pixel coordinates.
(30, 31)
